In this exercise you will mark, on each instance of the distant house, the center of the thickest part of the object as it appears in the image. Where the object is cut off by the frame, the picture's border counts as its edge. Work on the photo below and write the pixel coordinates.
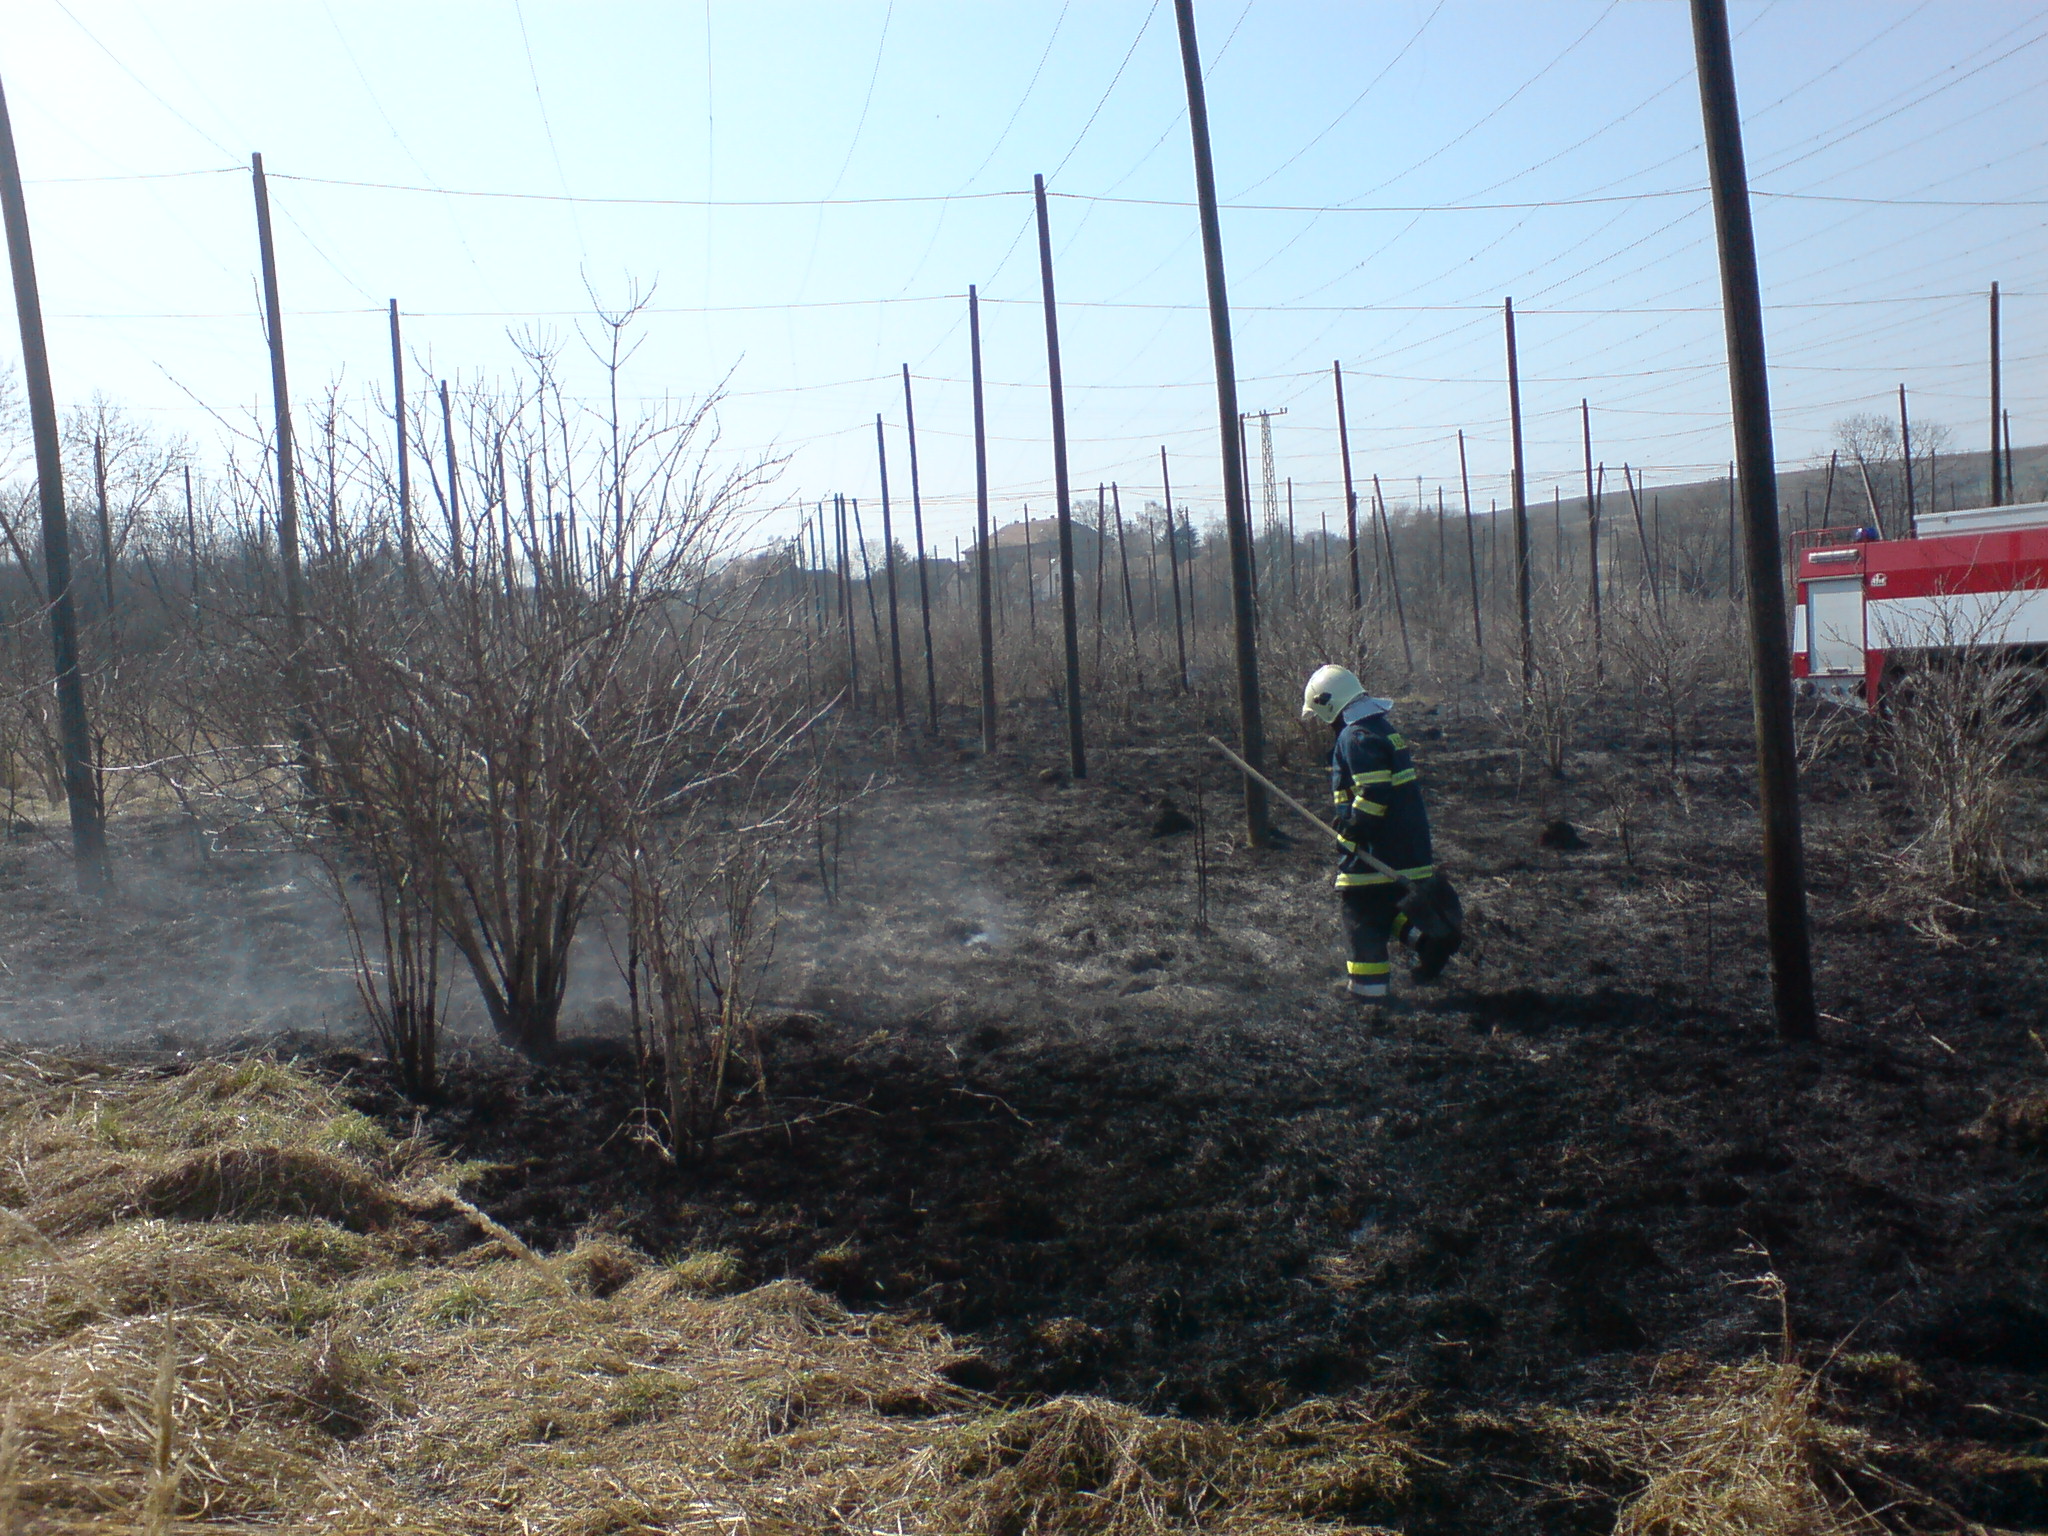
(1037, 540)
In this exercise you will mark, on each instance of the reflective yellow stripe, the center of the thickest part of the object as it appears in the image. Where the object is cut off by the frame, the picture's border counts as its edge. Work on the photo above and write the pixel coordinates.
(1368, 807)
(1369, 877)
(1377, 776)
(1396, 740)
(1368, 967)
(1342, 798)
(1405, 776)
(1420, 872)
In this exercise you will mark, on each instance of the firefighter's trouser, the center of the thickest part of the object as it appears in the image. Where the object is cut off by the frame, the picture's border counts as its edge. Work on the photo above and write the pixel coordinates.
(1372, 920)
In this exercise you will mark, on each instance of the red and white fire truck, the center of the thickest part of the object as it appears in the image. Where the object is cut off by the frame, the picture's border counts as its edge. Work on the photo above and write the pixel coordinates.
(1872, 610)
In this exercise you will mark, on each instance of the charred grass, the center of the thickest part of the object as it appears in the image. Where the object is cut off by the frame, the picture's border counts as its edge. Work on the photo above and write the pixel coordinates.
(1063, 1216)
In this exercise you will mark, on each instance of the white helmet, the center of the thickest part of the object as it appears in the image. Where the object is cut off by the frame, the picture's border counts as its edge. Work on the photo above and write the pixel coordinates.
(1328, 693)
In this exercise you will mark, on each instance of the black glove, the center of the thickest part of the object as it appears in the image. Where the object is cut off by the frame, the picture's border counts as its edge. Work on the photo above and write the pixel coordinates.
(1352, 825)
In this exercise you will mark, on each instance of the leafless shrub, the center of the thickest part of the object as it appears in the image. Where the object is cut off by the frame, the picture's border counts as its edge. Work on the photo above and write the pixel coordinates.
(1669, 656)
(698, 865)
(1544, 719)
(1961, 708)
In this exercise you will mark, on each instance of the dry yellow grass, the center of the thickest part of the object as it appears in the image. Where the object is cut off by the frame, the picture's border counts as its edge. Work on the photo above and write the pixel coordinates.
(1741, 1450)
(225, 1308)
(227, 1303)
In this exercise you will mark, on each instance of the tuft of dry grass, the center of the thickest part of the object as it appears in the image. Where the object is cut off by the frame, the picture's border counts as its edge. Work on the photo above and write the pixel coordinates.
(1743, 1450)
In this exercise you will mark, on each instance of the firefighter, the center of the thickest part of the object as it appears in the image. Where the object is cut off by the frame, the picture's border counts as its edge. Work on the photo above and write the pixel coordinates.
(1379, 810)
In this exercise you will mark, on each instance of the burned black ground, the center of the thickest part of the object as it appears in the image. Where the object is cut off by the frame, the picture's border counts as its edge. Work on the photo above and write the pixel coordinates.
(1012, 1087)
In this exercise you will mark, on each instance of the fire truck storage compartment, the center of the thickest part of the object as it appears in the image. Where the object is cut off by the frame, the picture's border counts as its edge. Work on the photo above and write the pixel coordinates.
(1834, 619)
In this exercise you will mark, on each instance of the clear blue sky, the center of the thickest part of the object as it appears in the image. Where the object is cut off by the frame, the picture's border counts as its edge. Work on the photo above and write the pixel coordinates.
(1367, 110)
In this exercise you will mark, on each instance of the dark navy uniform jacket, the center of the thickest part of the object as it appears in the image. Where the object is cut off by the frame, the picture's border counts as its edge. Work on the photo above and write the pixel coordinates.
(1372, 773)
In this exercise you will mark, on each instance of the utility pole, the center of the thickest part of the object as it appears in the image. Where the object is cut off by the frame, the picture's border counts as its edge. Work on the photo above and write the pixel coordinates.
(1471, 550)
(1251, 725)
(81, 791)
(1077, 750)
(1521, 506)
(986, 617)
(1350, 492)
(889, 573)
(405, 539)
(1180, 639)
(1769, 641)
(1592, 535)
(924, 589)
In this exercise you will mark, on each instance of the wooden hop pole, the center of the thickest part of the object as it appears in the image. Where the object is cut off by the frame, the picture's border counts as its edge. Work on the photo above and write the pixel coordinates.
(1350, 491)
(1592, 536)
(889, 572)
(1251, 724)
(1521, 506)
(1998, 486)
(924, 586)
(1077, 750)
(406, 552)
(1471, 550)
(1180, 639)
(74, 733)
(1769, 642)
(986, 617)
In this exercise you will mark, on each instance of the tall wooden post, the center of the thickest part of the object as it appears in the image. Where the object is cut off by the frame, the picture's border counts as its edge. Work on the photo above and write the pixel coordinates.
(192, 541)
(924, 586)
(846, 602)
(1293, 551)
(1386, 523)
(1521, 506)
(1592, 534)
(1251, 723)
(1769, 638)
(407, 552)
(1180, 639)
(301, 724)
(1999, 489)
(281, 406)
(1635, 501)
(1732, 539)
(1471, 549)
(986, 617)
(1350, 491)
(105, 517)
(1077, 749)
(1123, 560)
(455, 552)
(74, 733)
(1906, 456)
(1101, 564)
(889, 573)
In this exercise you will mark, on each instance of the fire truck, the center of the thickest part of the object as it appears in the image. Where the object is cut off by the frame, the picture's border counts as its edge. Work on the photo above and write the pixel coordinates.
(1873, 611)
